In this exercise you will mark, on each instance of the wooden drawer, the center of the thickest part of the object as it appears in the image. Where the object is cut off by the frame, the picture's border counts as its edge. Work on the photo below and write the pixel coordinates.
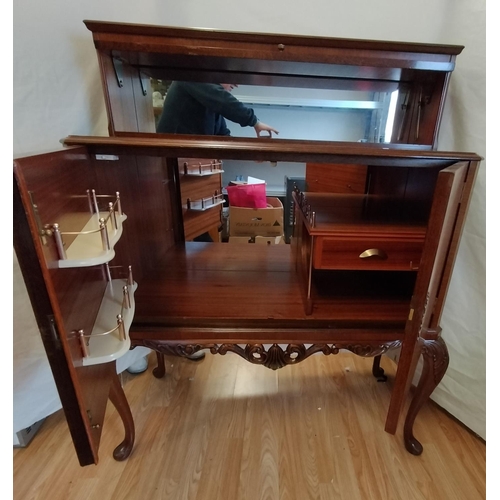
(390, 254)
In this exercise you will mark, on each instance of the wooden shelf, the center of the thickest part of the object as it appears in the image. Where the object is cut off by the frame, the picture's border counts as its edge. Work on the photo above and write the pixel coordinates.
(211, 284)
(352, 214)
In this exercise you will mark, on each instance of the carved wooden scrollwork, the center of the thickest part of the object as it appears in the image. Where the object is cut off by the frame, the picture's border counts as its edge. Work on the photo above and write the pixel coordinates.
(274, 356)
(436, 352)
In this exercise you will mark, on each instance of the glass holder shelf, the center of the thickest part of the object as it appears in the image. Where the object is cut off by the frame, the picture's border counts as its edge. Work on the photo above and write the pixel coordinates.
(94, 244)
(88, 249)
(110, 338)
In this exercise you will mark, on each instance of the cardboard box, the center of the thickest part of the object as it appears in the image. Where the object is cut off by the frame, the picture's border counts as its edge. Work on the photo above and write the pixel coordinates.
(257, 221)
(240, 239)
(259, 240)
(269, 240)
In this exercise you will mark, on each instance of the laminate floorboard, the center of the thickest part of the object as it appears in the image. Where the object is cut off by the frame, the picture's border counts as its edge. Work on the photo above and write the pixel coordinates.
(224, 429)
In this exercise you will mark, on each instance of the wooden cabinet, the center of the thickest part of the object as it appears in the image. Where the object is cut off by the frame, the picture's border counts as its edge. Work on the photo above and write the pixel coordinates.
(367, 270)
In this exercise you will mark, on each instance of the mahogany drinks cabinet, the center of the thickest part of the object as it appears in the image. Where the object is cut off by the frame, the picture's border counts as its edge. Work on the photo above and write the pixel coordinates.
(101, 225)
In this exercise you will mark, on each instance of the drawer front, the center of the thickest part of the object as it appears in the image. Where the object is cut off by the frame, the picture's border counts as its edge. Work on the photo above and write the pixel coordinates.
(367, 254)
(197, 223)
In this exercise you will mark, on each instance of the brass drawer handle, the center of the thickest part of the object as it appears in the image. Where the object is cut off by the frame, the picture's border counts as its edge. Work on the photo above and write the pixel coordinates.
(373, 253)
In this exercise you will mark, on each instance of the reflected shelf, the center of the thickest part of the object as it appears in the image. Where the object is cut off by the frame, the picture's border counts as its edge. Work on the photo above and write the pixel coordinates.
(203, 169)
(203, 204)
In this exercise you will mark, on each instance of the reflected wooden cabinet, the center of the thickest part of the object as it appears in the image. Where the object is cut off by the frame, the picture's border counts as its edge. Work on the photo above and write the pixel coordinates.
(368, 267)
(200, 182)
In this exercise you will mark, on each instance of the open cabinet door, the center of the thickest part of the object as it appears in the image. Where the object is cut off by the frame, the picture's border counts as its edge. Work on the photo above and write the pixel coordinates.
(423, 334)
(69, 290)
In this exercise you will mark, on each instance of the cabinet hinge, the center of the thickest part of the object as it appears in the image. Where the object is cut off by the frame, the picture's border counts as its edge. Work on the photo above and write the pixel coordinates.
(42, 230)
(143, 81)
(118, 67)
(462, 193)
(50, 334)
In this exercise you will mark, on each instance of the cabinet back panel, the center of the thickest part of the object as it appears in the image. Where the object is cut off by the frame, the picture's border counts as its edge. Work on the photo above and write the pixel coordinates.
(143, 184)
(325, 178)
(413, 185)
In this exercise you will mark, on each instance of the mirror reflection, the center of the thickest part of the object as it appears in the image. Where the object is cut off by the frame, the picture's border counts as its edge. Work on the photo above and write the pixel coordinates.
(297, 113)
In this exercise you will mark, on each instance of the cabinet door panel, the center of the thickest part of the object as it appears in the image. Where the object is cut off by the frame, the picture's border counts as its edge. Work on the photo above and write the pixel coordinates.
(63, 300)
(442, 225)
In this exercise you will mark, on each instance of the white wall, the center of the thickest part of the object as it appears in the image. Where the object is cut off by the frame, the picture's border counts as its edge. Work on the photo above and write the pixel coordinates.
(57, 92)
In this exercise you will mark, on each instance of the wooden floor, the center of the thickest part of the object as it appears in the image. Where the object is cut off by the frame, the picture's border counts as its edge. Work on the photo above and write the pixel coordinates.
(226, 429)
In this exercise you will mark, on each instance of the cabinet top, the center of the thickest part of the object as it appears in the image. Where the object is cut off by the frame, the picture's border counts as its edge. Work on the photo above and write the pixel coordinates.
(266, 149)
(272, 38)
(154, 49)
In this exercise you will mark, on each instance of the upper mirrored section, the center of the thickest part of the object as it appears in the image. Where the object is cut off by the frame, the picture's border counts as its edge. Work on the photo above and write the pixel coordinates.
(354, 90)
(304, 114)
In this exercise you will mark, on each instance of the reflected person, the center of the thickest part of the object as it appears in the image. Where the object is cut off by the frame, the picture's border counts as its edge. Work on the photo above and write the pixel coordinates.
(202, 109)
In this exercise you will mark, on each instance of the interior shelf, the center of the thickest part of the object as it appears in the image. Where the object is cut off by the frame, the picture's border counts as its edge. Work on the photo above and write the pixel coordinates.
(202, 169)
(325, 213)
(203, 204)
(201, 284)
(110, 339)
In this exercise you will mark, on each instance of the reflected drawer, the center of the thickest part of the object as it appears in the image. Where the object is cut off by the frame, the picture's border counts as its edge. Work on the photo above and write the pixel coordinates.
(396, 254)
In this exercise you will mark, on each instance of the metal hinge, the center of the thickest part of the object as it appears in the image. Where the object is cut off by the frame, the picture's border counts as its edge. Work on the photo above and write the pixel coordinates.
(143, 81)
(43, 231)
(50, 334)
(118, 67)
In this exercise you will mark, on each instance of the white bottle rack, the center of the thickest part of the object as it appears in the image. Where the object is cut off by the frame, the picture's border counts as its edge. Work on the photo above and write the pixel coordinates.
(110, 338)
(203, 204)
(94, 244)
(203, 169)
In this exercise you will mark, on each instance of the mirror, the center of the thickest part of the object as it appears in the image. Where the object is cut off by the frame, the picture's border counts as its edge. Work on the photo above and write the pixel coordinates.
(311, 114)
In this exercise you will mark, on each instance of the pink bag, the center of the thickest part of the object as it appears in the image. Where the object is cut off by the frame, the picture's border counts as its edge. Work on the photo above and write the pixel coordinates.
(247, 196)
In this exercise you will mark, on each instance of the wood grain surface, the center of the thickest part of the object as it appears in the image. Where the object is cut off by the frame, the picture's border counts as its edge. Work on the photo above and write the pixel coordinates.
(224, 429)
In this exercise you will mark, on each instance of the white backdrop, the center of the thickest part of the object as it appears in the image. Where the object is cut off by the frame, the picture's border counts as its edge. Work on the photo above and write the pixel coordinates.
(57, 92)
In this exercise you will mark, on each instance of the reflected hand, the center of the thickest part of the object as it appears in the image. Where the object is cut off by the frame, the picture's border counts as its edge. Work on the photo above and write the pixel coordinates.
(262, 127)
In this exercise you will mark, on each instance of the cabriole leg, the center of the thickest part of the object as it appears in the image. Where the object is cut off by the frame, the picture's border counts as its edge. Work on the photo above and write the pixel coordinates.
(436, 360)
(159, 371)
(377, 370)
(119, 400)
